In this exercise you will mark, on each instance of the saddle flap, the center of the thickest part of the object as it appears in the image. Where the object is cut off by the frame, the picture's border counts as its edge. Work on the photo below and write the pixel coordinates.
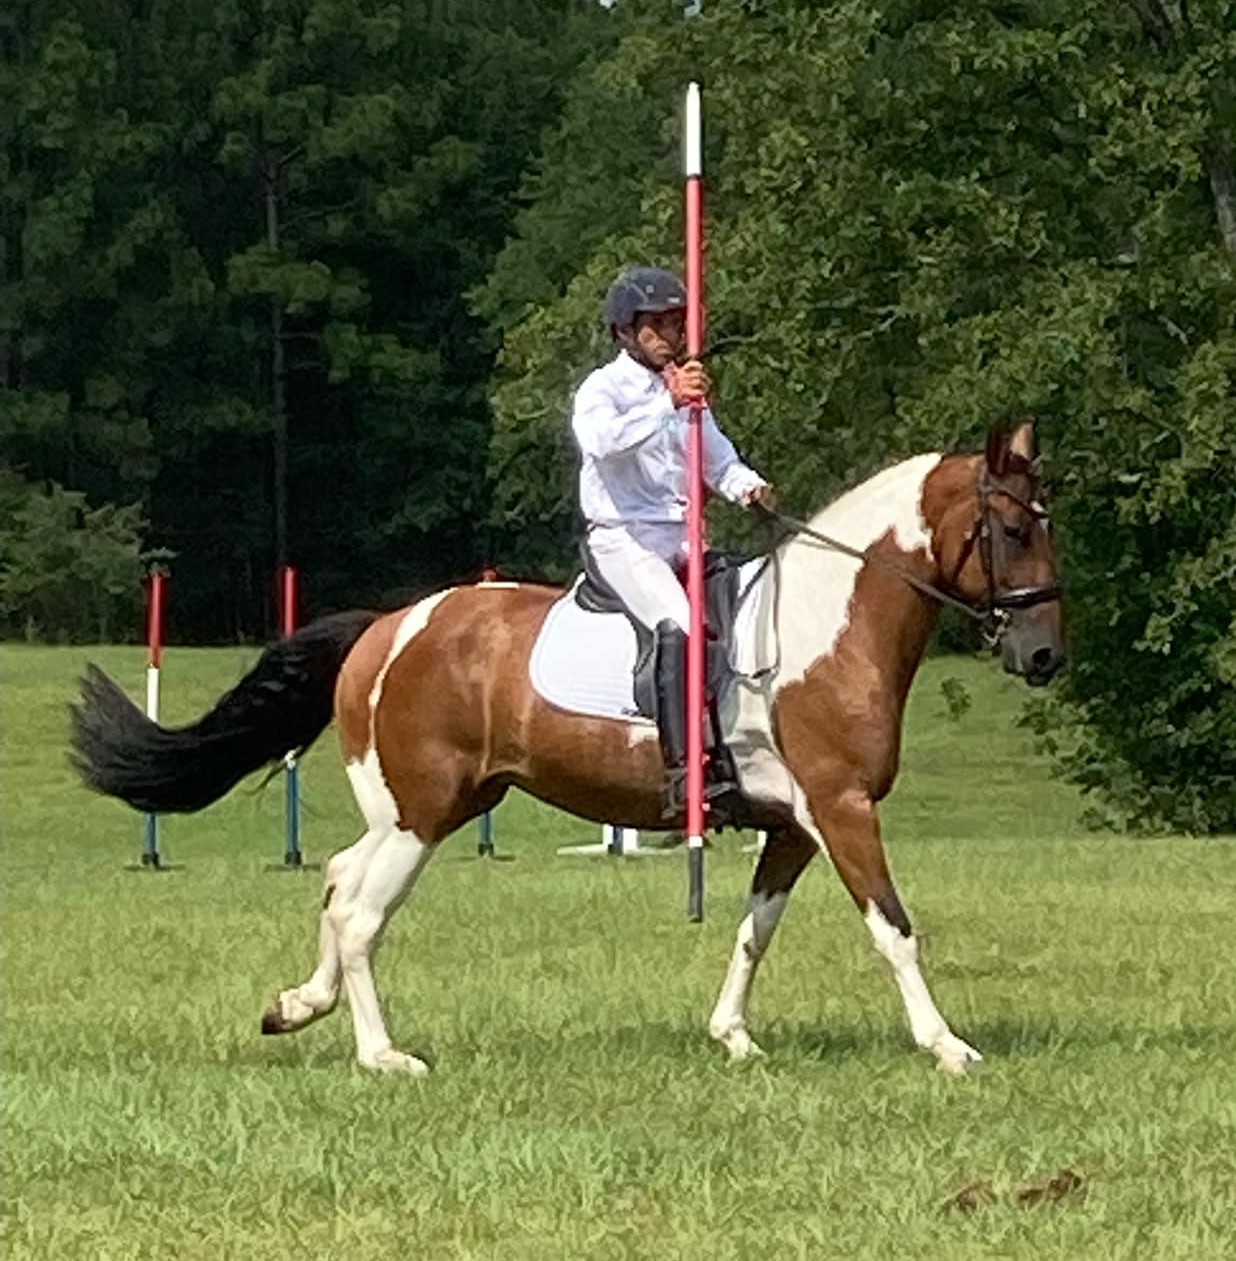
(602, 664)
(722, 579)
(586, 663)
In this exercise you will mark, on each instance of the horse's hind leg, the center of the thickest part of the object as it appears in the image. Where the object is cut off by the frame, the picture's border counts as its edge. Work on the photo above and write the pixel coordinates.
(359, 909)
(786, 854)
(364, 884)
(301, 1005)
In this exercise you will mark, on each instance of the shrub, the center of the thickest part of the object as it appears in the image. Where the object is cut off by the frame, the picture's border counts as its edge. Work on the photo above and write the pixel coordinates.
(68, 573)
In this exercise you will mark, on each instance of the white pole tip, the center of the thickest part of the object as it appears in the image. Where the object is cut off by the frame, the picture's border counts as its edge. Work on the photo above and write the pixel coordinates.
(693, 148)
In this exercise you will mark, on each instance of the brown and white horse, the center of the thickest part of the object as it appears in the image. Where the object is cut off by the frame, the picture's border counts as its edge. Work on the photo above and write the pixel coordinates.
(437, 719)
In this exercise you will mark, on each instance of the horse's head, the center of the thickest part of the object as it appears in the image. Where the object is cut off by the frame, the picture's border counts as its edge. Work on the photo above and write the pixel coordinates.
(995, 551)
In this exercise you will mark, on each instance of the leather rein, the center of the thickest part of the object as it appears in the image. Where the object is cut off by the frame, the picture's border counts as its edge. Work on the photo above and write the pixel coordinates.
(993, 614)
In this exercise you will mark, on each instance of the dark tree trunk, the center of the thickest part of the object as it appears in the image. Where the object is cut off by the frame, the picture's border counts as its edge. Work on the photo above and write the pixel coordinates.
(273, 175)
(1223, 186)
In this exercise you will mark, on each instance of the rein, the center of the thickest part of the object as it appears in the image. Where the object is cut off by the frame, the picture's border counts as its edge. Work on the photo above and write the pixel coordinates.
(993, 615)
(794, 526)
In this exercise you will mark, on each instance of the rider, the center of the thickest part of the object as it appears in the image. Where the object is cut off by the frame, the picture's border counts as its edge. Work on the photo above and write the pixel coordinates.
(630, 421)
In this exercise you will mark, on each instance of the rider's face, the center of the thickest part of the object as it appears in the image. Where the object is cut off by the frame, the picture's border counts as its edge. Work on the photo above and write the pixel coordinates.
(659, 337)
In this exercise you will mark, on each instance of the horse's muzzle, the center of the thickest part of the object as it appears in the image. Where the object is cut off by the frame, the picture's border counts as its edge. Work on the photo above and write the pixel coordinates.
(1038, 665)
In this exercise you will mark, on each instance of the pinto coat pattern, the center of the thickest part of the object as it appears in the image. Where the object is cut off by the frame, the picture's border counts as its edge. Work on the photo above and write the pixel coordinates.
(437, 719)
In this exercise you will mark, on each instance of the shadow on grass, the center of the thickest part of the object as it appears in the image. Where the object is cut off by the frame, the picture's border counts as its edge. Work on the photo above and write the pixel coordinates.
(851, 1040)
(685, 1045)
(1006, 1037)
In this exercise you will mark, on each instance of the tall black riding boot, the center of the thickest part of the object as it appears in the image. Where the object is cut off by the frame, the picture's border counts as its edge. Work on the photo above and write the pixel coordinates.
(671, 683)
(727, 804)
(719, 675)
(720, 787)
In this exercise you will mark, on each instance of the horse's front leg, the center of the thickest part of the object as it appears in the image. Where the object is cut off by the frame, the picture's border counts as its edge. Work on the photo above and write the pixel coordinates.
(851, 830)
(786, 853)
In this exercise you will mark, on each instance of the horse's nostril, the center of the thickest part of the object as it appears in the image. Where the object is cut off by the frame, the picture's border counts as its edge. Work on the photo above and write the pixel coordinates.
(1045, 662)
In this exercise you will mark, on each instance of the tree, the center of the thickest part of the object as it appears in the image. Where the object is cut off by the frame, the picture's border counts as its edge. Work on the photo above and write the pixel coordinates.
(72, 404)
(68, 573)
(924, 217)
(242, 236)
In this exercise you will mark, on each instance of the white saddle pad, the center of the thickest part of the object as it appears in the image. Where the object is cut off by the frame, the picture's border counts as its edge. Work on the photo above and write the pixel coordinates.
(583, 662)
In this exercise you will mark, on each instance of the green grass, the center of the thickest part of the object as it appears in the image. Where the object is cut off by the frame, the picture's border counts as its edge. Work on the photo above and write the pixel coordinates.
(577, 1108)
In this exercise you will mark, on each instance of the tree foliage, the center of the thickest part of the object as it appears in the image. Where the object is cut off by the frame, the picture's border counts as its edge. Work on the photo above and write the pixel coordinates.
(308, 226)
(67, 572)
(221, 219)
(923, 217)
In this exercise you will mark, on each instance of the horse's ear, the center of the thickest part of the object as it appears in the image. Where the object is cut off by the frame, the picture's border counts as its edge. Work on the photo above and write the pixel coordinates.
(998, 439)
(1023, 441)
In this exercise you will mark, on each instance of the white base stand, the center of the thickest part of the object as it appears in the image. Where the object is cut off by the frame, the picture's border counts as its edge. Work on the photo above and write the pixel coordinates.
(616, 842)
(757, 846)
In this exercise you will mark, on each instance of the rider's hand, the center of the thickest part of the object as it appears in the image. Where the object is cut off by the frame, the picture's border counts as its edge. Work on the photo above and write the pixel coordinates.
(762, 495)
(688, 382)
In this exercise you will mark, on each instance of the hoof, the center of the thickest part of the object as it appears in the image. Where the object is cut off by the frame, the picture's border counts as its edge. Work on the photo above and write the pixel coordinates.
(739, 1043)
(273, 1021)
(392, 1061)
(290, 1012)
(955, 1056)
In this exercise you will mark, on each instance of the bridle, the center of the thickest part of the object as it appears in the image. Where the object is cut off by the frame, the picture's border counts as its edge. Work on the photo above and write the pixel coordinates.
(999, 605)
(994, 613)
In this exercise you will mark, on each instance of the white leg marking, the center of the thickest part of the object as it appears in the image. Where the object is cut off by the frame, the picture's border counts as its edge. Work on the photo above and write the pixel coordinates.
(359, 912)
(318, 995)
(368, 882)
(929, 1027)
(372, 795)
(728, 1023)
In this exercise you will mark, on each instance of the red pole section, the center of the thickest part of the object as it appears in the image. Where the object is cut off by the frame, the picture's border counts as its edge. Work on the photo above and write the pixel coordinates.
(154, 620)
(286, 580)
(288, 599)
(154, 660)
(695, 508)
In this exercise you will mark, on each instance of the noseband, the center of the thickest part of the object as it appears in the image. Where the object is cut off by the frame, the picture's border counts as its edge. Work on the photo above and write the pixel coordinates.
(993, 613)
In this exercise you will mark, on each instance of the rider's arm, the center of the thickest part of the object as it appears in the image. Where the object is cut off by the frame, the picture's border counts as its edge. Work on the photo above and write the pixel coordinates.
(723, 470)
(605, 423)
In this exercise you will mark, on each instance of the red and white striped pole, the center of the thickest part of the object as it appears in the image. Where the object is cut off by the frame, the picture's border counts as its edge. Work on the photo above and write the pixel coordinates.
(288, 599)
(694, 172)
(288, 602)
(154, 661)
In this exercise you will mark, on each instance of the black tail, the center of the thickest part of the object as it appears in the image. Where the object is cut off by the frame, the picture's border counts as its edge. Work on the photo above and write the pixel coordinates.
(284, 703)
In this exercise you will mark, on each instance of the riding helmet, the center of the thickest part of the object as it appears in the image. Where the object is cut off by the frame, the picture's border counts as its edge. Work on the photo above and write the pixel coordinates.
(639, 291)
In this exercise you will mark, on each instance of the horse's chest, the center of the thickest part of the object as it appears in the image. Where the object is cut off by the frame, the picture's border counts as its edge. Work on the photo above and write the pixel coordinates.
(828, 710)
(813, 618)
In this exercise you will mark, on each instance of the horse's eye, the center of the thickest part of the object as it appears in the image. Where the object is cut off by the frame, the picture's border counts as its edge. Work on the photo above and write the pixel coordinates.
(1015, 534)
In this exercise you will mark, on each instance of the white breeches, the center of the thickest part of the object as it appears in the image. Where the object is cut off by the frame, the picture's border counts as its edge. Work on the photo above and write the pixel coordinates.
(638, 562)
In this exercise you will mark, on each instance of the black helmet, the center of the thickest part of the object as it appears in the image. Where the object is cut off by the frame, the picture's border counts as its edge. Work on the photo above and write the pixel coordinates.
(640, 290)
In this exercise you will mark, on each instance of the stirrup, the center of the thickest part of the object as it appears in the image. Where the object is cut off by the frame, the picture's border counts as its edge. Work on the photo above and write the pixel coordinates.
(729, 809)
(674, 796)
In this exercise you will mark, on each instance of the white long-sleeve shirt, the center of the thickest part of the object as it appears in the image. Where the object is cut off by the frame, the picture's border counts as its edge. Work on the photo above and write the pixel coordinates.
(634, 446)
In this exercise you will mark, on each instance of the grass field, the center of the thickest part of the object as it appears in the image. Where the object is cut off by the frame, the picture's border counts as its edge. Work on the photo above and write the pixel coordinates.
(577, 1108)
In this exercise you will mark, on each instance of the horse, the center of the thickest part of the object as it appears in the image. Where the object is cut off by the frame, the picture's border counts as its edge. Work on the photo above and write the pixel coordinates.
(437, 719)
